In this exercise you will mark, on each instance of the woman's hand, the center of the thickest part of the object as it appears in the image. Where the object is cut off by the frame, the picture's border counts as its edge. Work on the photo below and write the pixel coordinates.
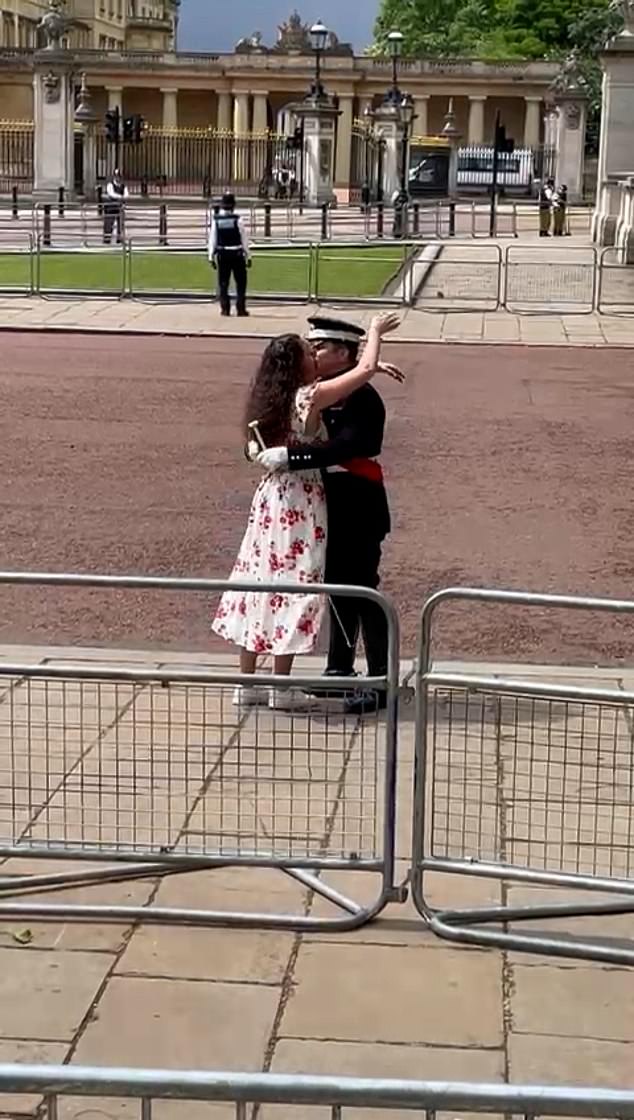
(392, 371)
(385, 323)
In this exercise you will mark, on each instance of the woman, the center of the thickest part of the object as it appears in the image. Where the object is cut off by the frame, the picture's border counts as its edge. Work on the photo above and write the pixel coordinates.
(285, 538)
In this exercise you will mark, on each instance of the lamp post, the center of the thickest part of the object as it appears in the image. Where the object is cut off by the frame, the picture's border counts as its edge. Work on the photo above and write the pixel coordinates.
(318, 38)
(395, 47)
(401, 202)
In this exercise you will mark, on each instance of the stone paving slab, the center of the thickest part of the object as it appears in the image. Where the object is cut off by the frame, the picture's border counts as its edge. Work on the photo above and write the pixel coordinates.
(390, 999)
(266, 320)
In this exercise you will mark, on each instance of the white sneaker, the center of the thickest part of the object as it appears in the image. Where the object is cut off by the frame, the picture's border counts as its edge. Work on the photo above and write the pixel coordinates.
(289, 700)
(248, 696)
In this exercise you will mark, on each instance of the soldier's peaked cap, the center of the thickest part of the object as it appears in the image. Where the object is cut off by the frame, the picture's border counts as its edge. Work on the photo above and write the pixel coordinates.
(323, 329)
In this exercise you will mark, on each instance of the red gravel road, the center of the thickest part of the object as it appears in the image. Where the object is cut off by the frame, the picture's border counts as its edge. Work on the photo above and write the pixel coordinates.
(506, 467)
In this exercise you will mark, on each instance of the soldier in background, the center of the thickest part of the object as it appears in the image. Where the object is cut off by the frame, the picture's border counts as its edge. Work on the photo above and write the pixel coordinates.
(560, 206)
(546, 193)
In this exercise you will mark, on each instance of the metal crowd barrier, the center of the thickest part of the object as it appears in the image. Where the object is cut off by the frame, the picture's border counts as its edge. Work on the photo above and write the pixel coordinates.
(464, 277)
(566, 281)
(57, 1084)
(615, 283)
(523, 785)
(157, 772)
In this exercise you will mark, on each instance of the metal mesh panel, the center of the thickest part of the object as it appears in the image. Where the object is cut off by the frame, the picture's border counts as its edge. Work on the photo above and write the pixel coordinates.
(154, 769)
(550, 279)
(535, 783)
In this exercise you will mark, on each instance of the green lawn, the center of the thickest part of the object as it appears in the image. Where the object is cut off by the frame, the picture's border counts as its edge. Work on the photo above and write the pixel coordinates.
(340, 271)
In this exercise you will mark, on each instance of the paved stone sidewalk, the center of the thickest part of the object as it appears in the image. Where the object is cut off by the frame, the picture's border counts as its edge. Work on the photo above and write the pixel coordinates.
(267, 320)
(387, 1000)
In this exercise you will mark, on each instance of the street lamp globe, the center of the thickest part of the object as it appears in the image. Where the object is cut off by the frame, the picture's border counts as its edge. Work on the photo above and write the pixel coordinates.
(395, 43)
(318, 36)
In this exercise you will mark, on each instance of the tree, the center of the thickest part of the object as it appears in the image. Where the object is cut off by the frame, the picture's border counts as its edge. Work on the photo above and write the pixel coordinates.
(498, 29)
(572, 31)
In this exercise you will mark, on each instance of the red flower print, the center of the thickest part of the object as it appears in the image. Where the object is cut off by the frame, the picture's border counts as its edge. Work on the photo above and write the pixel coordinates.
(306, 626)
(320, 534)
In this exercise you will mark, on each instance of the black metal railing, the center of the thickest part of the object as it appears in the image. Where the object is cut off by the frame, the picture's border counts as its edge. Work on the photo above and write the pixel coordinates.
(16, 156)
(203, 163)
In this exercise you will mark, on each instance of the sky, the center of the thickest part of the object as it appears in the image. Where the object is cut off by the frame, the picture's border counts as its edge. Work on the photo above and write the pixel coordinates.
(216, 25)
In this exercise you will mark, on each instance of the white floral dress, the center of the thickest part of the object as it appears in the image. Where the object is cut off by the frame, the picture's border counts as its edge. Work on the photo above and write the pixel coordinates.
(285, 541)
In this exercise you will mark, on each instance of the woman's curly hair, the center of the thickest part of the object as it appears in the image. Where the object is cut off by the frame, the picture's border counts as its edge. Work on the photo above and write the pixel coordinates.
(272, 391)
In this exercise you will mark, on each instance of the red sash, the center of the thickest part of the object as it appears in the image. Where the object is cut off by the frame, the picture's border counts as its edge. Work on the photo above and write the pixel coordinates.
(364, 468)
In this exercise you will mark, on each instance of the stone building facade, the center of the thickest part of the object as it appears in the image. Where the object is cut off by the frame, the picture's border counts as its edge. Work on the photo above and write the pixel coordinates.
(247, 91)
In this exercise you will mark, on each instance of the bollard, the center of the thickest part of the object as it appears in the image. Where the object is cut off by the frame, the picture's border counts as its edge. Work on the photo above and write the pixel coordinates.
(99, 193)
(60, 202)
(163, 224)
(324, 221)
(14, 203)
(144, 187)
(267, 219)
(452, 219)
(379, 219)
(46, 233)
(416, 221)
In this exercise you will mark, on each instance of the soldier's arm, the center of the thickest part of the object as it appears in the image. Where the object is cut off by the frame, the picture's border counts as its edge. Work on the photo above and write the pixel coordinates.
(360, 437)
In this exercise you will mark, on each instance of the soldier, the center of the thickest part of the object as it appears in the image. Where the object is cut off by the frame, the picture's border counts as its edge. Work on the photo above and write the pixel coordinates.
(116, 194)
(229, 253)
(560, 204)
(358, 512)
(546, 193)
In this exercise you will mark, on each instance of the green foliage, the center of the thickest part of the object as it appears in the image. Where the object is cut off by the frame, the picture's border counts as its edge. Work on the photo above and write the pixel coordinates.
(499, 29)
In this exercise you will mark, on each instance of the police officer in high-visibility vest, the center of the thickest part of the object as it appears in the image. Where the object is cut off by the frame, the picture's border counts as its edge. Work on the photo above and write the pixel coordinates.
(229, 253)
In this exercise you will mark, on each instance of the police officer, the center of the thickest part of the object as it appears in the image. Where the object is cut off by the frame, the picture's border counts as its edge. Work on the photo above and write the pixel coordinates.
(229, 253)
(358, 512)
(116, 194)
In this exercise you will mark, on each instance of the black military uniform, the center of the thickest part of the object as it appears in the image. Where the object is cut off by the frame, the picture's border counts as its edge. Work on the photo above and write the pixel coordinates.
(358, 514)
(229, 253)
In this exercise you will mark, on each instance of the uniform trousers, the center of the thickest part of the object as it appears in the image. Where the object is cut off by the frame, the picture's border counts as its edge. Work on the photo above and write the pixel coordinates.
(232, 262)
(355, 559)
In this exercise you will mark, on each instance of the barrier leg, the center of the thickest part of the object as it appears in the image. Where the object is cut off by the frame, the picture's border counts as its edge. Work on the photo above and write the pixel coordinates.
(163, 224)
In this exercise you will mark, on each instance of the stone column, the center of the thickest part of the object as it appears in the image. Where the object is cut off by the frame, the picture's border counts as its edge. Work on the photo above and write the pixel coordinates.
(421, 118)
(476, 119)
(241, 136)
(319, 148)
(54, 126)
(169, 143)
(241, 113)
(344, 148)
(532, 121)
(616, 146)
(260, 111)
(260, 143)
(115, 97)
(387, 121)
(571, 143)
(225, 109)
(170, 107)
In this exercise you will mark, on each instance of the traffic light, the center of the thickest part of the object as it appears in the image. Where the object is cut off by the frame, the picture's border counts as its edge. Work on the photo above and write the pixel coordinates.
(112, 126)
(503, 142)
(298, 138)
(133, 129)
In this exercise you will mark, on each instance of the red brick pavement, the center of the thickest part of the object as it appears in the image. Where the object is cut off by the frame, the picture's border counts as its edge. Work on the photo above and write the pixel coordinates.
(508, 467)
